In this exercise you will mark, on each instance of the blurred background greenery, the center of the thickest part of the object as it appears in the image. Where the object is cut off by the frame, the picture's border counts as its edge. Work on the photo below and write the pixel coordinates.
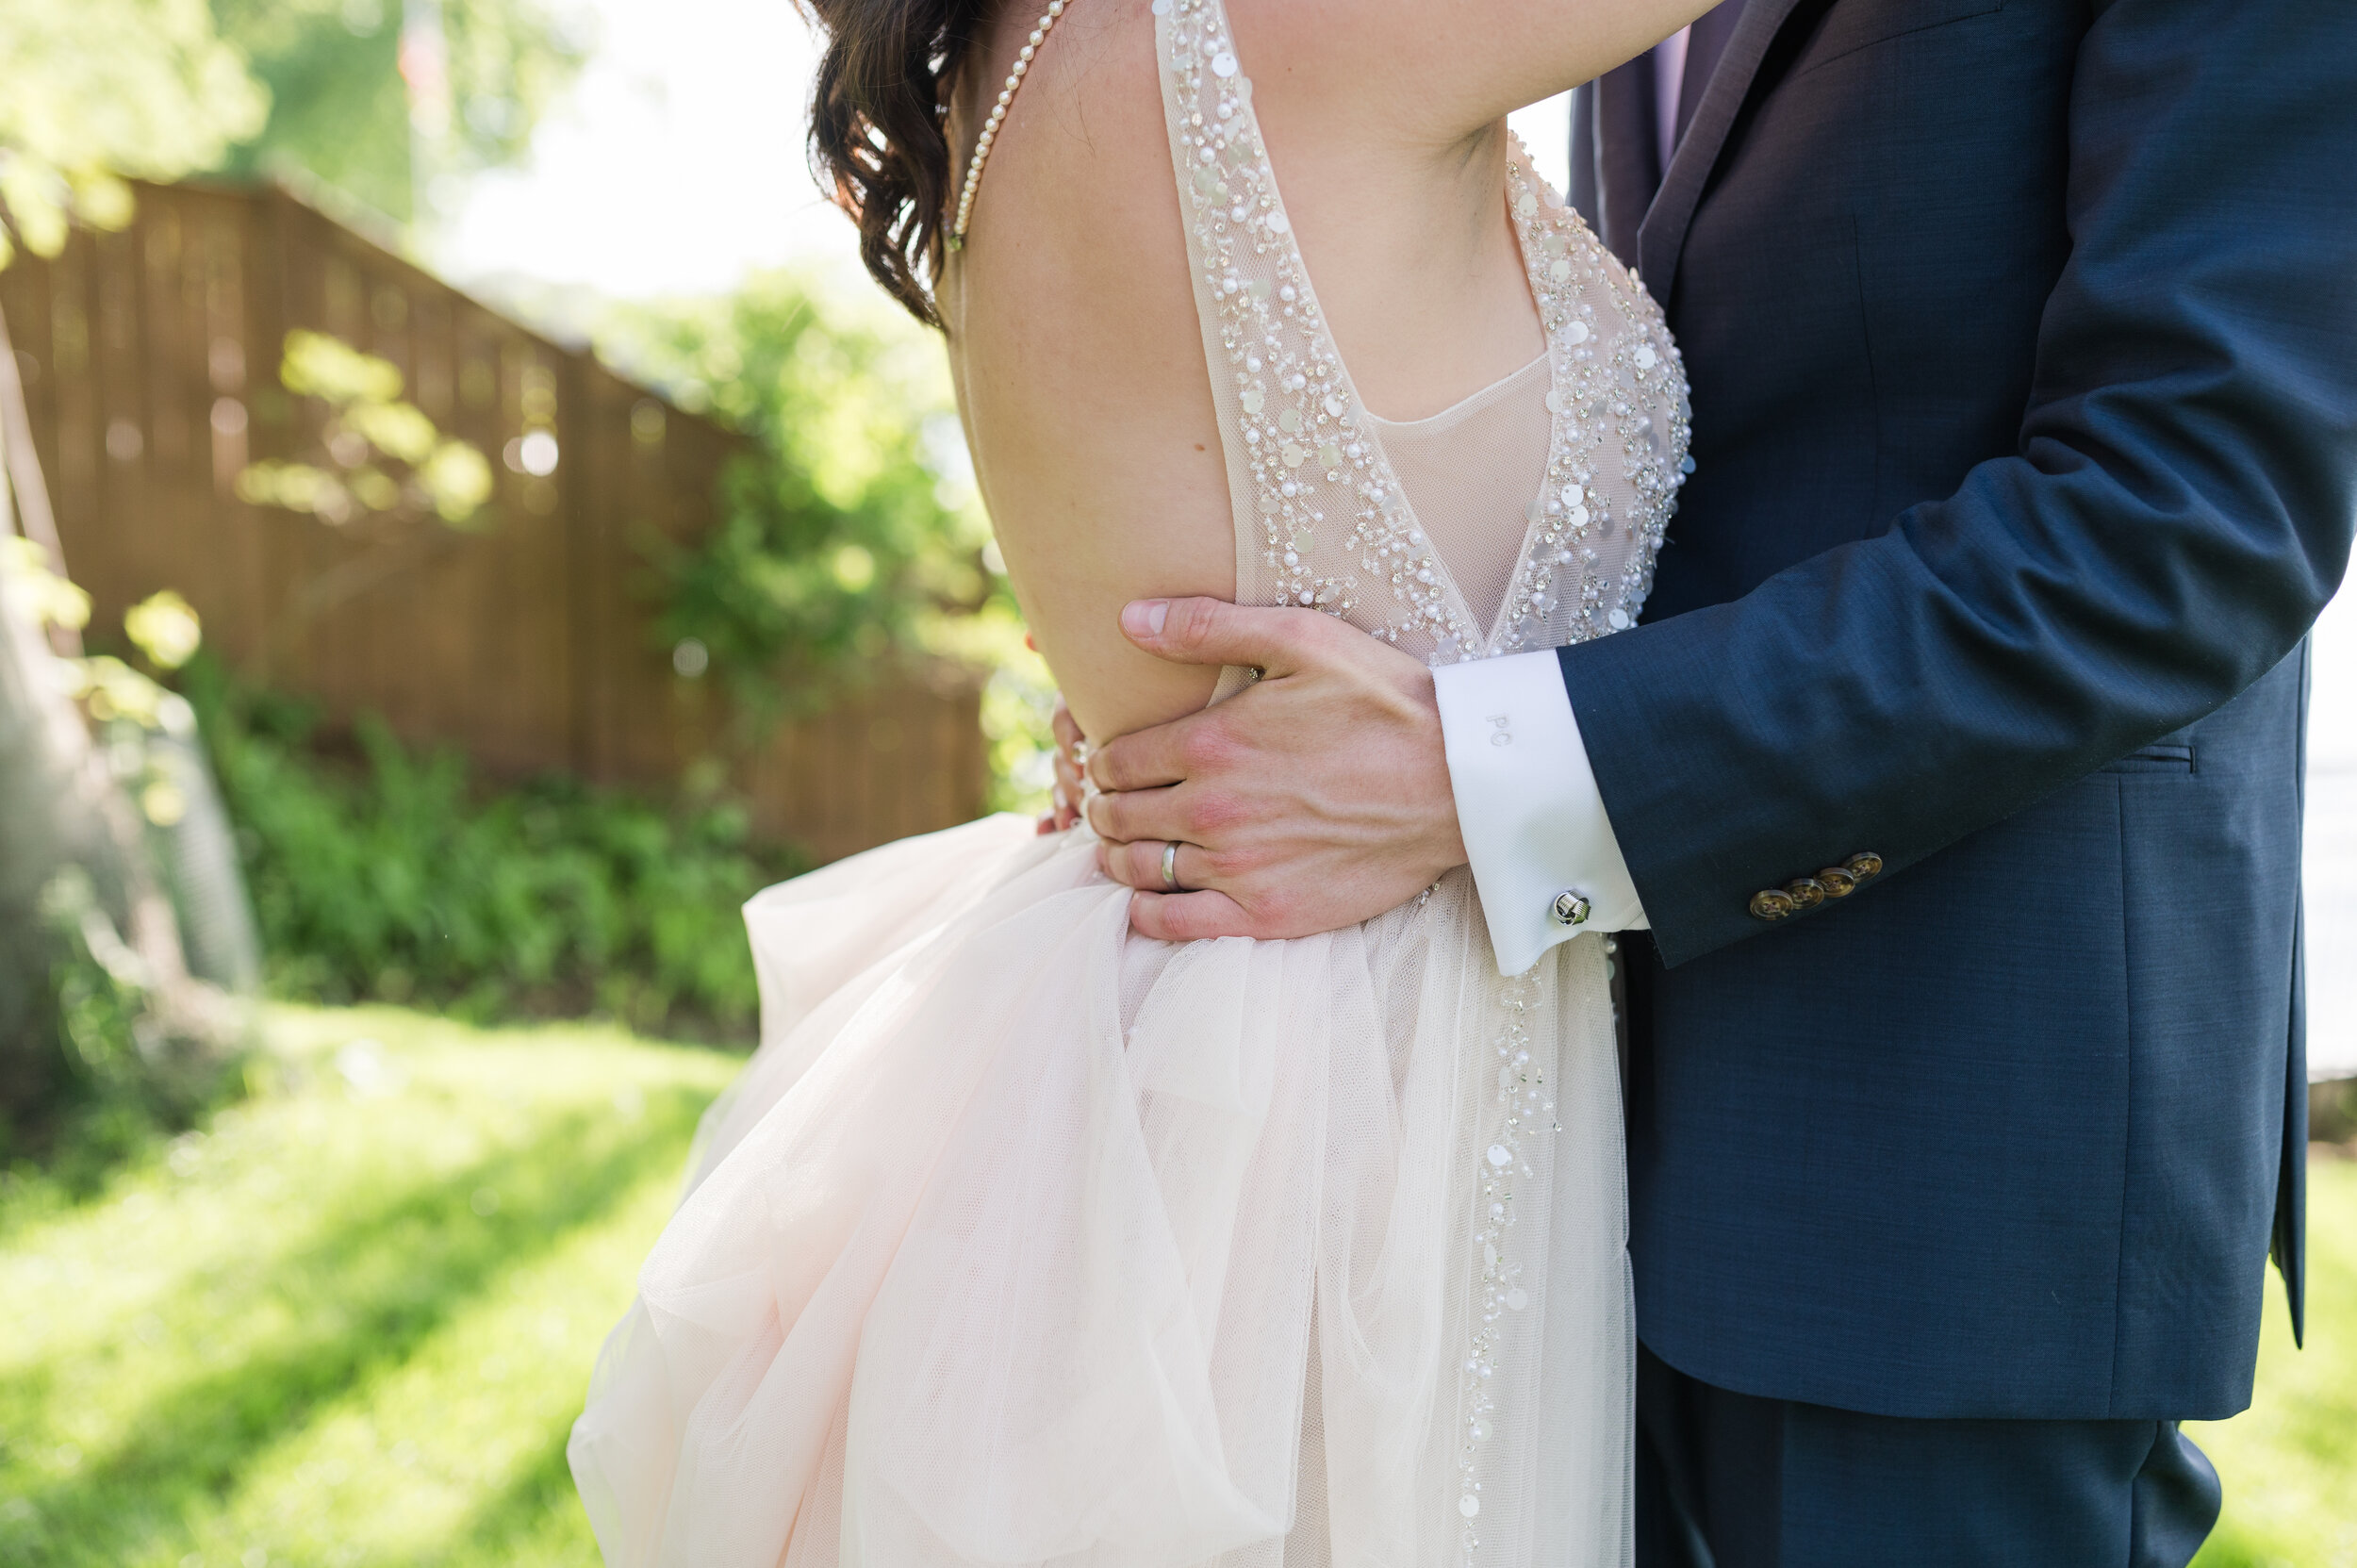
(846, 536)
(345, 1074)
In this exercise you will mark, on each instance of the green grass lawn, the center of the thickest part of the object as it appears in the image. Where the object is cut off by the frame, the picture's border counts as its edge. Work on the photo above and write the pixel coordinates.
(2290, 1462)
(351, 1322)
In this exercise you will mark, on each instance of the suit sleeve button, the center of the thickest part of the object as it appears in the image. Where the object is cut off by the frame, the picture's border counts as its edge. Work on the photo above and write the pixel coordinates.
(1570, 908)
(1807, 892)
(1865, 865)
(1770, 904)
(1838, 883)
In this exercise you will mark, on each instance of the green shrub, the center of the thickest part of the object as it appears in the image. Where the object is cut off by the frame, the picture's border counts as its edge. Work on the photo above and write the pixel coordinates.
(849, 526)
(848, 535)
(380, 873)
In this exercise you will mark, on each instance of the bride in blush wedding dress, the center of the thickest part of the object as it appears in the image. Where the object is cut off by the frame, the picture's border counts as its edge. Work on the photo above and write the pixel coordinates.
(1025, 1239)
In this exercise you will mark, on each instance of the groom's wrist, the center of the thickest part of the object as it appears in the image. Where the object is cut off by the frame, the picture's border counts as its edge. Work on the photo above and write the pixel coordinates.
(1442, 840)
(1535, 831)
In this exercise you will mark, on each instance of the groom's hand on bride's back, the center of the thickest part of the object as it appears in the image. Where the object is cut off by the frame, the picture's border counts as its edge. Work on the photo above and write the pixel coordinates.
(1314, 799)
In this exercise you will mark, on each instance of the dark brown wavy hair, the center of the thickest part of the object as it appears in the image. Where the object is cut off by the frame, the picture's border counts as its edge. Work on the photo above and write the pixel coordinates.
(878, 138)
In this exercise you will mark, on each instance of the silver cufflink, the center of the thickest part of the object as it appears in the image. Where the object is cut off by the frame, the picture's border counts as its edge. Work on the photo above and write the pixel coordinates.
(1570, 908)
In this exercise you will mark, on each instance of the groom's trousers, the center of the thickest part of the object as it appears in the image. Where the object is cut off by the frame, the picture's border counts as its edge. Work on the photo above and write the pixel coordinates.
(1731, 1480)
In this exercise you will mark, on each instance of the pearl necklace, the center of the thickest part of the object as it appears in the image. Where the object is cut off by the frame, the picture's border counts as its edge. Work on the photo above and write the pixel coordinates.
(998, 118)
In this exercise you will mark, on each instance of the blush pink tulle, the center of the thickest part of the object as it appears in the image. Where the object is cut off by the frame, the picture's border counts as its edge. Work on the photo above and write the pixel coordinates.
(1025, 1240)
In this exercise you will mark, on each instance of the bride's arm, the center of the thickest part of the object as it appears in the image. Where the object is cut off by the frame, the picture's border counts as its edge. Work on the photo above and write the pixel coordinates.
(1440, 73)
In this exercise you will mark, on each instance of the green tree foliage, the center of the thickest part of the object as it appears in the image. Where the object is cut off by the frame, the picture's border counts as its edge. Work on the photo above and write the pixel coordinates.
(383, 456)
(852, 534)
(91, 91)
(340, 110)
(338, 107)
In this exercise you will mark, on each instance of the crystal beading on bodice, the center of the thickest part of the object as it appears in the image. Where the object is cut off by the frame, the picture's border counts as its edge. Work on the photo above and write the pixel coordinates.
(1322, 519)
(1323, 522)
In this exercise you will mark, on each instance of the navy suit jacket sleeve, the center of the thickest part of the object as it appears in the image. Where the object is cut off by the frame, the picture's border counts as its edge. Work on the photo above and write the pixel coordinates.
(2178, 510)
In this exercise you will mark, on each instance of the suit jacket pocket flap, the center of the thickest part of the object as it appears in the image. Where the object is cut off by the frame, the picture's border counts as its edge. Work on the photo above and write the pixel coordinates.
(2159, 757)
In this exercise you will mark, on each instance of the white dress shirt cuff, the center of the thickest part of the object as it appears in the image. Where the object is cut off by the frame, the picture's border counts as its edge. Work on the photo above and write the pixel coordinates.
(1544, 859)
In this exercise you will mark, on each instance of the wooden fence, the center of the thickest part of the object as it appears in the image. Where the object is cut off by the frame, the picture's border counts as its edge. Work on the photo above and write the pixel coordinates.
(150, 362)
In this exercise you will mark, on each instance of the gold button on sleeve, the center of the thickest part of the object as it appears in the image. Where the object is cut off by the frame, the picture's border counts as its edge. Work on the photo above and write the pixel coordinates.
(1807, 892)
(1769, 903)
(1865, 865)
(1838, 883)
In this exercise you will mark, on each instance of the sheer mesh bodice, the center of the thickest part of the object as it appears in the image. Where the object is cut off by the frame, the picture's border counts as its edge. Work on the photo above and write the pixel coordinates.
(1473, 470)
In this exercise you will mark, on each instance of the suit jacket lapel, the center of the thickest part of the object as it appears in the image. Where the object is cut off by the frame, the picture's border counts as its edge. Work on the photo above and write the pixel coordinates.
(1662, 236)
(1628, 167)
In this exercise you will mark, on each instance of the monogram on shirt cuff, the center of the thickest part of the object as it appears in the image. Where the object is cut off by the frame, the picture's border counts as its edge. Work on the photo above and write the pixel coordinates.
(1544, 858)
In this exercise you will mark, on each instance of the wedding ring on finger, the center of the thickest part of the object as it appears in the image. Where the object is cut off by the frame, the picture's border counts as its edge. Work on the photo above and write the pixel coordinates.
(1170, 867)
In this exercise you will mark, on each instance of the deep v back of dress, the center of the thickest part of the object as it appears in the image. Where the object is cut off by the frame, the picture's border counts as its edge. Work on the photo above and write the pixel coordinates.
(1025, 1240)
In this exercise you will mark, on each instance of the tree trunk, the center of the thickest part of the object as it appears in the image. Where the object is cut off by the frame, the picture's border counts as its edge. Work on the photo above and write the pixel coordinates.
(51, 781)
(62, 808)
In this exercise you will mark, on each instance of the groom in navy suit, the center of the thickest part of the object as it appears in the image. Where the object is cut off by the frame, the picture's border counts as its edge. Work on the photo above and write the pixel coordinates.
(1948, 794)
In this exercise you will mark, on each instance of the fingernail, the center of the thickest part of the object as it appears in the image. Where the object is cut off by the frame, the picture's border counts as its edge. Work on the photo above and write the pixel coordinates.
(1143, 618)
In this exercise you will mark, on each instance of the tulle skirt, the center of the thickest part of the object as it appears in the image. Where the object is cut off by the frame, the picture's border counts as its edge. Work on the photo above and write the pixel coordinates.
(1024, 1239)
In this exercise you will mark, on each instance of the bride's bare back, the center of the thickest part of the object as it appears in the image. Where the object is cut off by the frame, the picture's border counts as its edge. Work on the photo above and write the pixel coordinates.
(1072, 326)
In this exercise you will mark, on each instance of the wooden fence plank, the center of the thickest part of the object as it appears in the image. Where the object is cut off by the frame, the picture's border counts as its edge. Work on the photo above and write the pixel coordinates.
(151, 363)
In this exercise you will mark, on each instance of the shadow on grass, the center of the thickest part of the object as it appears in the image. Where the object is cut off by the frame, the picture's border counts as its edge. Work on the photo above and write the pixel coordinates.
(76, 1144)
(518, 1521)
(361, 1301)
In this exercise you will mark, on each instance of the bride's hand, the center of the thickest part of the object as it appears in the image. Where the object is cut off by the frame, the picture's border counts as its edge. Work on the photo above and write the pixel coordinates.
(1317, 798)
(1064, 808)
